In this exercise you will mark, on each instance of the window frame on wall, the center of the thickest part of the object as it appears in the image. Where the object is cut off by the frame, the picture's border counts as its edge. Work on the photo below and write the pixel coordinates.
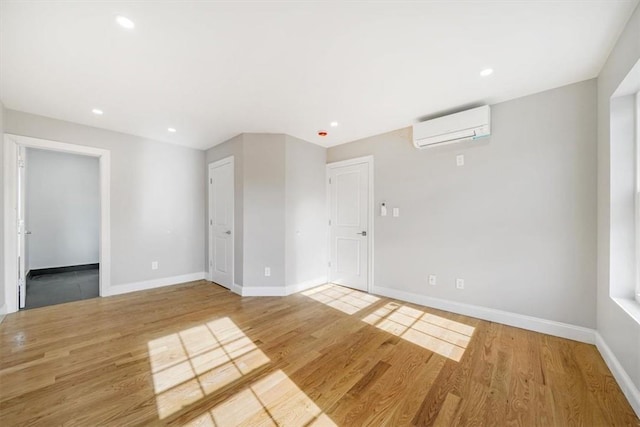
(637, 204)
(624, 196)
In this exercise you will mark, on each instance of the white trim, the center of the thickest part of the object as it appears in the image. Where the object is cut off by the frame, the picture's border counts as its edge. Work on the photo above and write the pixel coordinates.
(264, 291)
(236, 289)
(351, 162)
(630, 306)
(629, 389)
(637, 198)
(3, 309)
(277, 291)
(327, 181)
(155, 283)
(371, 234)
(210, 167)
(10, 224)
(550, 327)
(10, 245)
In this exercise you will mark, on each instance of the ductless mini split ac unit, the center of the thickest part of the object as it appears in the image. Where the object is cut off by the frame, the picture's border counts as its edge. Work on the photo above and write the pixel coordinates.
(462, 126)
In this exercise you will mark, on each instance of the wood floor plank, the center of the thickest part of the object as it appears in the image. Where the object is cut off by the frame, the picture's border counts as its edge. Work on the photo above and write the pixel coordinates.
(197, 354)
(356, 397)
(447, 412)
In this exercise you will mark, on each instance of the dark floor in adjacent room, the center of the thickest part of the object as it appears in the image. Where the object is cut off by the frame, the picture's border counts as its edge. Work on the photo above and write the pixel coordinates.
(58, 288)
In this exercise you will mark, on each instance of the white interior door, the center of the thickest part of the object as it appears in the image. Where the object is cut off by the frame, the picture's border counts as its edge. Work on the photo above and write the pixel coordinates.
(349, 225)
(21, 228)
(221, 231)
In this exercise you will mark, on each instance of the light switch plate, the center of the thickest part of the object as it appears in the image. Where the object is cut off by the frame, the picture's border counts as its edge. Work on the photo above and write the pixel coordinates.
(396, 212)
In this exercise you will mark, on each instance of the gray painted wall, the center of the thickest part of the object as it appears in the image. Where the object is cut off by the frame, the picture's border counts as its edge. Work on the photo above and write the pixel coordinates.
(232, 147)
(617, 328)
(157, 203)
(305, 212)
(264, 209)
(62, 209)
(517, 222)
(280, 215)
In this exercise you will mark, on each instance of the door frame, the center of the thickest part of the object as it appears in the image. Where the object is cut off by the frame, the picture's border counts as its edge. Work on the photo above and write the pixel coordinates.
(21, 205)
(11, 143)
(370, 229)
(211, 166)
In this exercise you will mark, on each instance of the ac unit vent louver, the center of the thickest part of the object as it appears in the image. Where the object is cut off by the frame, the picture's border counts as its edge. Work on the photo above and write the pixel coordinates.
(462, 126)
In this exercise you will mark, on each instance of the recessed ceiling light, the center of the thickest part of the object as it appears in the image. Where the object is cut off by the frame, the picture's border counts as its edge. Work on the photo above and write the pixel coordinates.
(97, 112)
(125, 22)
(334, 124)
(486, 72)
(172, 130)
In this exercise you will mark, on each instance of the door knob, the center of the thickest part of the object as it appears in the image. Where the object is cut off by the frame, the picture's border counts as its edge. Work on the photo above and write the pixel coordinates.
(227, 232)
(364, 233)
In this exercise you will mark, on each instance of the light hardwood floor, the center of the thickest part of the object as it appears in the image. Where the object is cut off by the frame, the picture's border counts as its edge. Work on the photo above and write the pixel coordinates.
(196, 354)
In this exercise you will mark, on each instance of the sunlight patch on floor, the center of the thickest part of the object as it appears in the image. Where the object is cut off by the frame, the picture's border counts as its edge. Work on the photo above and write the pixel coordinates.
(274, 400)
(195, 362)
(445, 337)
(347, 300)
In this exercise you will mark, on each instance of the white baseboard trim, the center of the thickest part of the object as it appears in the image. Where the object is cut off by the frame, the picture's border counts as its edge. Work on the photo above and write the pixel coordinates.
(292, 289)
(236, 289)
(3, 309)
(550, 327)
(278, 291)
(155, 283)
(629, 389)
(263, 291)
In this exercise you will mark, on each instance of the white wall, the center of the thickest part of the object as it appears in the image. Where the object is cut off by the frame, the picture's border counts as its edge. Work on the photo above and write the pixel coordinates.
(517, 222)
(619, 331)
(157, 198)
(62, 209)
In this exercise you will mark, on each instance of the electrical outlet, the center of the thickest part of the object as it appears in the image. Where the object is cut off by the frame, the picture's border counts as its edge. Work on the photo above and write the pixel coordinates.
(432, 280)
(154, 265)
(460, 283)
(460, 160)
(267, 271)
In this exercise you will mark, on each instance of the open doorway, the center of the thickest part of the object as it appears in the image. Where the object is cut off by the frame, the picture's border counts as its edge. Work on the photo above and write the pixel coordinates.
(19, 244)
(62, 227)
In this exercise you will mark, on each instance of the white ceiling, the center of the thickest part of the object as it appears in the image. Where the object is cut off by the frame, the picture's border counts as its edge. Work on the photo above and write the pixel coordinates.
(215, 69)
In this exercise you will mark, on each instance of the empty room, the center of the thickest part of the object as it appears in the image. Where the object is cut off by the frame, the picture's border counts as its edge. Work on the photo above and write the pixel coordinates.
(320, 213)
